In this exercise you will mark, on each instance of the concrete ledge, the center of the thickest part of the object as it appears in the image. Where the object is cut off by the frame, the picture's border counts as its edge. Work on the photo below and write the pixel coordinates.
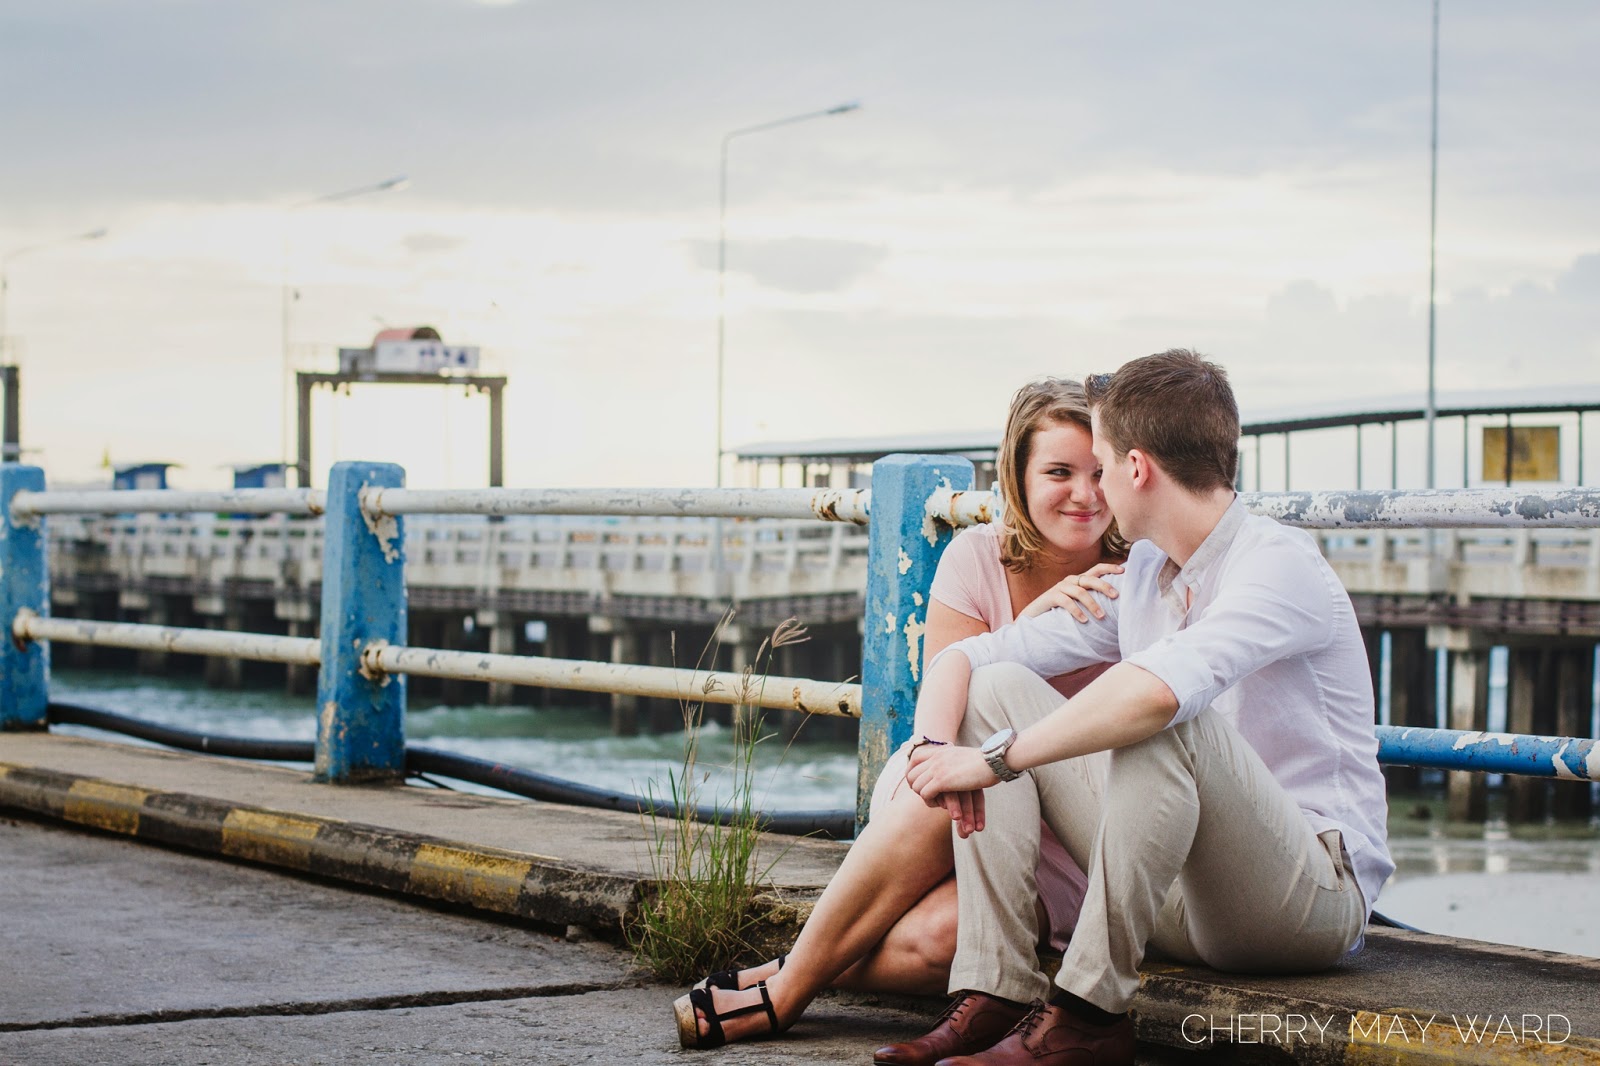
(1408, 998)
(529, 886)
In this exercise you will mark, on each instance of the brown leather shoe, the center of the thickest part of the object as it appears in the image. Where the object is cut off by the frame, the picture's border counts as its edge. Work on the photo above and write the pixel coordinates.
(972, 1022)
(1050, 1036)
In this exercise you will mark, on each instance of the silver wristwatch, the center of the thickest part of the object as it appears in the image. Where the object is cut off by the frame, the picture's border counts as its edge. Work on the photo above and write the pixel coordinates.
(994, 753)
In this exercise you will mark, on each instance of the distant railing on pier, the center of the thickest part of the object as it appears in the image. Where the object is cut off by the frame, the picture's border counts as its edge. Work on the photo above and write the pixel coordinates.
(915, 505)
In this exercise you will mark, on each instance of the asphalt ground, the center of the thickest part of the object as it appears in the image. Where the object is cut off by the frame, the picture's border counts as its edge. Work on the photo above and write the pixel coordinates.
(125, 954)
(1407, 998)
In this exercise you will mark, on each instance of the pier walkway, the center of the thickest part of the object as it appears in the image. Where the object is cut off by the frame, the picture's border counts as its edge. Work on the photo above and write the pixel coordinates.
(1408, 998)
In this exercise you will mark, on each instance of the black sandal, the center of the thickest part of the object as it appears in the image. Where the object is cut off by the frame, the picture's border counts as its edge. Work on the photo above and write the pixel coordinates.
(689, 1025)
(728, 980)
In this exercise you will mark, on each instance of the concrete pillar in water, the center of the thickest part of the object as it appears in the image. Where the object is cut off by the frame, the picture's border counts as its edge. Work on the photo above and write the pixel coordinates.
(1411, 695)
(502, 641)
(1469, 709)
(663, 648)
(1526, 796)
(226, 671)
(299, 680)
(1372, 637)
(1574, 709)
(624, 650)
(745, 645)
(157, 613)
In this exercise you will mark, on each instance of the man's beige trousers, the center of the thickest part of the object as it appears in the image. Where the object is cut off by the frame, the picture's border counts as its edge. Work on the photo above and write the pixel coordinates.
(1191, 847)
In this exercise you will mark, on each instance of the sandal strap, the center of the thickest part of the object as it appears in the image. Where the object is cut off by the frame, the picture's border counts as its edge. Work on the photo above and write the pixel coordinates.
(714, 1036)
(766, 1003)
(728, 980)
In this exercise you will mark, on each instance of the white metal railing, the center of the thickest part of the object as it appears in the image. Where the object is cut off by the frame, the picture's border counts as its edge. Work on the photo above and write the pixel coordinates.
(775, 693)
(829, 505)
(651, 556)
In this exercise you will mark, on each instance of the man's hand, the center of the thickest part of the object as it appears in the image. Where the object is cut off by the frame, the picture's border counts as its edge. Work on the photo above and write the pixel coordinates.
(1076, 593)
(953, 778)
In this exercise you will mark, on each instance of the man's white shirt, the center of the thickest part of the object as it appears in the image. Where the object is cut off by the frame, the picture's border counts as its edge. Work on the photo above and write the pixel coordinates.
(1256, 626)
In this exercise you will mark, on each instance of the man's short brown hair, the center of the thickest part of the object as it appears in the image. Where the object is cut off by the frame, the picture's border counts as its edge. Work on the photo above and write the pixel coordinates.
(1176, 407)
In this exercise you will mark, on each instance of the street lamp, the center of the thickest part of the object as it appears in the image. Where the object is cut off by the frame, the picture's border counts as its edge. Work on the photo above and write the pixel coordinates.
(722, 242)
(18, 253)
(1431, 413)
(399, 181)
(10, 421)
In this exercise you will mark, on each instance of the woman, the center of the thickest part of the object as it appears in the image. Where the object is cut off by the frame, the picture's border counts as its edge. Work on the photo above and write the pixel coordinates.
(886, 921)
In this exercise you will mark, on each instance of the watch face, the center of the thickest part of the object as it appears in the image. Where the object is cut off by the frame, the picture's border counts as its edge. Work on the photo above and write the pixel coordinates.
(1000, 741)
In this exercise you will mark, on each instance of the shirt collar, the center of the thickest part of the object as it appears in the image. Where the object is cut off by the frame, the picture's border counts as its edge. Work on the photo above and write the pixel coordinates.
(1174, 580)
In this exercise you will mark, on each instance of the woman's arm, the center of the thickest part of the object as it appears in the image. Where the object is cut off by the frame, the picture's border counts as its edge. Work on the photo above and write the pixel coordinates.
(946, 625)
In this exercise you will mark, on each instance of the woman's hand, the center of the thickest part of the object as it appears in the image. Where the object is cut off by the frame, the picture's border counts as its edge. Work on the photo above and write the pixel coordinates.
(954, 778)
(1076, 593)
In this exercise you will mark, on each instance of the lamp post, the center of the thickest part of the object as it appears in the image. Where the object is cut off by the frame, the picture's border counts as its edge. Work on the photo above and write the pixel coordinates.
(11, 431)
(1431, 412)
(399, 181)
(722, 242)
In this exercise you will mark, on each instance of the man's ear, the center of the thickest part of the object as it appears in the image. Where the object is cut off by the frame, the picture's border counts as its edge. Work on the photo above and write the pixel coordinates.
(1140, 469)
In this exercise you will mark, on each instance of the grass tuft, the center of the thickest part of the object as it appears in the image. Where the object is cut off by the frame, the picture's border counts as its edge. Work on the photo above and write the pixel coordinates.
(706, 873)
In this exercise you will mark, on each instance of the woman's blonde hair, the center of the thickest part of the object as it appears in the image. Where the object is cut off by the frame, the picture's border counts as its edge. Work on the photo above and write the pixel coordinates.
(1038, 404)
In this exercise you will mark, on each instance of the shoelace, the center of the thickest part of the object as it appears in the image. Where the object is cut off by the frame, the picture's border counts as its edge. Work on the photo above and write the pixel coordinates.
(1024, 1028)
(955, 1005)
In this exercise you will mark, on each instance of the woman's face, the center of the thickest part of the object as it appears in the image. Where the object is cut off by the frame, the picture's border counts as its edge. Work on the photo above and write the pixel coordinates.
(1062, 488)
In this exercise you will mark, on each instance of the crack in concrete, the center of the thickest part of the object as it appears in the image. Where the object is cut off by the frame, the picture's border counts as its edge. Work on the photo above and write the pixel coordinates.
(337, 1006)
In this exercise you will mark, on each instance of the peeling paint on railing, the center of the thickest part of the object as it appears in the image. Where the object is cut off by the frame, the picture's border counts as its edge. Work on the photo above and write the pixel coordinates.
(776, 693)
(828, 505)
(25, 505)
(1567, 758)
(969, 508)
(261, 647)
(1430, 508)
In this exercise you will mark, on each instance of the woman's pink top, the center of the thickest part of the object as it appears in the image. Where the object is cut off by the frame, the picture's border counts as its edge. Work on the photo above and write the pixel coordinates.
(971, 579)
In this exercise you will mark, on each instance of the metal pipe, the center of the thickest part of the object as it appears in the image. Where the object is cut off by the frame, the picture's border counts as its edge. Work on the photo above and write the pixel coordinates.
(26, 505)
(828, 505)
(261, 647)
(970, 508)
(778, 693)
(1485, 508)
(1565, 758)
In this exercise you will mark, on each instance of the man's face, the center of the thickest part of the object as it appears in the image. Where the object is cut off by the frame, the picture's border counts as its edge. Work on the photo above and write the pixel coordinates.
(1114, 479)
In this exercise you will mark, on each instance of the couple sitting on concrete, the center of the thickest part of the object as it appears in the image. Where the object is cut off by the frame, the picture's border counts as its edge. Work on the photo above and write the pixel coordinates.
(1164, 749)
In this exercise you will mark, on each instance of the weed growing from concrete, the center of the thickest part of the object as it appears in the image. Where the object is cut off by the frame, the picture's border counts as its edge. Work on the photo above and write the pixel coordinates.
(706, 873)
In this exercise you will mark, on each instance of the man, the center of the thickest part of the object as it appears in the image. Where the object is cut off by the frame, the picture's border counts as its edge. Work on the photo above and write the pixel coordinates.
(1219, 784)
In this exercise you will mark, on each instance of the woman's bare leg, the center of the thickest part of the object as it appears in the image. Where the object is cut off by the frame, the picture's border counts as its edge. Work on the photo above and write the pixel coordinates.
(914, 957)
(903, 854)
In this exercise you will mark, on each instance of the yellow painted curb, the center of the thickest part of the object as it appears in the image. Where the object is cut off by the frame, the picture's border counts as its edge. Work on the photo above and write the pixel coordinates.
(493, 882)
(266, 836)
(103, 805)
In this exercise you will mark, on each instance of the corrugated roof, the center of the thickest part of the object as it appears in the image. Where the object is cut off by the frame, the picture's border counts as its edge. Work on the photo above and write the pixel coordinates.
(1401, 407)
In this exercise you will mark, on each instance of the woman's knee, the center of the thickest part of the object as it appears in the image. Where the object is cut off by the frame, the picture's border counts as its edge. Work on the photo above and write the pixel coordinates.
(927, 932)
(988, 693)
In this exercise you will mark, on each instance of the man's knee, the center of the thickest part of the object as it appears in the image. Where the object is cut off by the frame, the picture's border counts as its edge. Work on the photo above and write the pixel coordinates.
(988, 693)
(1151, 758)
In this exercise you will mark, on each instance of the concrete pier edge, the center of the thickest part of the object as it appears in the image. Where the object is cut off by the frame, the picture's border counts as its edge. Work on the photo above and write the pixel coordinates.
(1342, 1017)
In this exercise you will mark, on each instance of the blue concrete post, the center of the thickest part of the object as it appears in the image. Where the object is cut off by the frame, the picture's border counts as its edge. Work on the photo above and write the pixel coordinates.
(904, 546)
(360, 720)
(24, 583)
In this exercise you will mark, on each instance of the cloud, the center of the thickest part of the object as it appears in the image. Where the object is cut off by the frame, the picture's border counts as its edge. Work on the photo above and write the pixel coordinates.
(799, 265)
(426, 243)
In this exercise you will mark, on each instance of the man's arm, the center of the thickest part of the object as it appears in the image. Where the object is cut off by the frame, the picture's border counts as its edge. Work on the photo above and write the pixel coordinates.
(1122, 706)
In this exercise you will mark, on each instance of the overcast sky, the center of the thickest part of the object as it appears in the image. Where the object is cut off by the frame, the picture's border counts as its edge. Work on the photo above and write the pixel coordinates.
(1026, 189)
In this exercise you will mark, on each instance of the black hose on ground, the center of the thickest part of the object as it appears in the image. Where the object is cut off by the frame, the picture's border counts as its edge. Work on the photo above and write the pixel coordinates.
(831, 824)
